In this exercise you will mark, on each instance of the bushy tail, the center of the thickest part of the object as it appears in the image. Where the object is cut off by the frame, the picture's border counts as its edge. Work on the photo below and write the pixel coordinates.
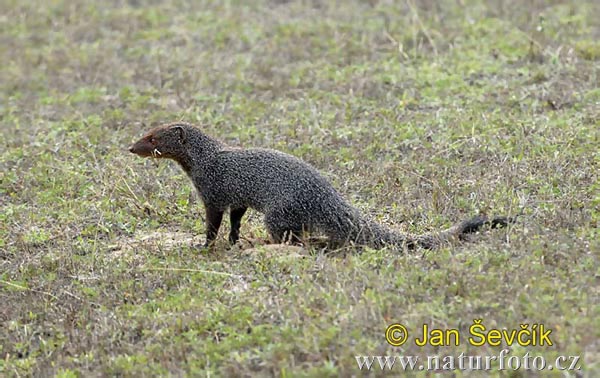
(458, 231)
(377, 236)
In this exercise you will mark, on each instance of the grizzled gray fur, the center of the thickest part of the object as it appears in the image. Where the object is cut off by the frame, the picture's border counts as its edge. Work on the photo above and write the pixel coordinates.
(293, 196)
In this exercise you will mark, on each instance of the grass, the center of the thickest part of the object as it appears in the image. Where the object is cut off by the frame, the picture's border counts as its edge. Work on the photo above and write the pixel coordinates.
(421, 113)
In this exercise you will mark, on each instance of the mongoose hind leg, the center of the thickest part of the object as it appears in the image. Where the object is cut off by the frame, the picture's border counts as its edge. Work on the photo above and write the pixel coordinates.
(213, 222)
(284, 235)
(235, 218)
(287, 236)
(281, 231)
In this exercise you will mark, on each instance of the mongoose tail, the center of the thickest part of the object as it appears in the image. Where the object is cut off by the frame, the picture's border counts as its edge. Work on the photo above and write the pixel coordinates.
(375, 235)
(458, 231)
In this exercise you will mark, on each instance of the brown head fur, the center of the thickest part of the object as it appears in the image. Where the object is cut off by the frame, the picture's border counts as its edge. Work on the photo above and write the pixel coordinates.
(165, 141)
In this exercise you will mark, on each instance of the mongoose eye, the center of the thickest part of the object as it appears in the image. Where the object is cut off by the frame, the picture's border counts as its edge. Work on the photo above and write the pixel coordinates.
(153, 140)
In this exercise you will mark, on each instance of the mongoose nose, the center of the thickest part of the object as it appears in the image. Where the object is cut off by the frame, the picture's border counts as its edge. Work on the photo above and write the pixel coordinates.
(131, 149)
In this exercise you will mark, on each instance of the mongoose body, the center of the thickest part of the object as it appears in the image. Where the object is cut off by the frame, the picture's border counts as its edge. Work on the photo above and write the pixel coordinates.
(294, 197)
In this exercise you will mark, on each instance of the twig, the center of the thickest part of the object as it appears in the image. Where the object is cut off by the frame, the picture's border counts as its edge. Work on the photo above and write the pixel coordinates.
(130, 191)
(193, 270)
(422, 27)
(28, 289)
(80, 299)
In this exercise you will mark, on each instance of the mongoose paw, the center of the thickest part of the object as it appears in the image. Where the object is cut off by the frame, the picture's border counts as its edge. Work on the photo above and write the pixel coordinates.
(204, 247)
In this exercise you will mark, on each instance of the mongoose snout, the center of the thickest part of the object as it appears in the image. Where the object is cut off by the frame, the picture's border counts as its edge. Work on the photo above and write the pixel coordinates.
(142, 147)
(293, 196)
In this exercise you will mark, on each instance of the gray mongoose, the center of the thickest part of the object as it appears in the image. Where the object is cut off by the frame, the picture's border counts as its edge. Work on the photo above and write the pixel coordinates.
(293, 196)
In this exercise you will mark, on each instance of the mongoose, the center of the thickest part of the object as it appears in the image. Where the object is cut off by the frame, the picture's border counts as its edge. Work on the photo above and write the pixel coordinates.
(293, 196)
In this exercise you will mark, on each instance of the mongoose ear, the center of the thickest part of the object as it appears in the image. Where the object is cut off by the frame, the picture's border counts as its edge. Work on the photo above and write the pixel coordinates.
(181, 131)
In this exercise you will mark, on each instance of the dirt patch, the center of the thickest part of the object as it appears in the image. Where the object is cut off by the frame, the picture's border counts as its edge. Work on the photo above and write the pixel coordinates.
(158, 240)
(155, 241)
(277, 251)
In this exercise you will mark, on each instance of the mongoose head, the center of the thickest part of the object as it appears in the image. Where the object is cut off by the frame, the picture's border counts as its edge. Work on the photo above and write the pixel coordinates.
(166, 141)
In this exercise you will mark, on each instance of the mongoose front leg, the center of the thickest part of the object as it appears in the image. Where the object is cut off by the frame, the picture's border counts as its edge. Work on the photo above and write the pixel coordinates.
(213, 222)
(235, 218)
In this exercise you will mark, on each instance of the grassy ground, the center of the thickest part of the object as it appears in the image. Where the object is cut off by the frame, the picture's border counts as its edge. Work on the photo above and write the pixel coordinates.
(421, 112)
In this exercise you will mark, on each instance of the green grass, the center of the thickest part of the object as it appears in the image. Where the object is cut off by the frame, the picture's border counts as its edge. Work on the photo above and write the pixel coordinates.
(421, 112)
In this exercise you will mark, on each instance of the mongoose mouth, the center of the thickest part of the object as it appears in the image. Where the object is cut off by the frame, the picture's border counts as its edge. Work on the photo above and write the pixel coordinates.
(139, 151)
(155, 153)
(144, 148)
